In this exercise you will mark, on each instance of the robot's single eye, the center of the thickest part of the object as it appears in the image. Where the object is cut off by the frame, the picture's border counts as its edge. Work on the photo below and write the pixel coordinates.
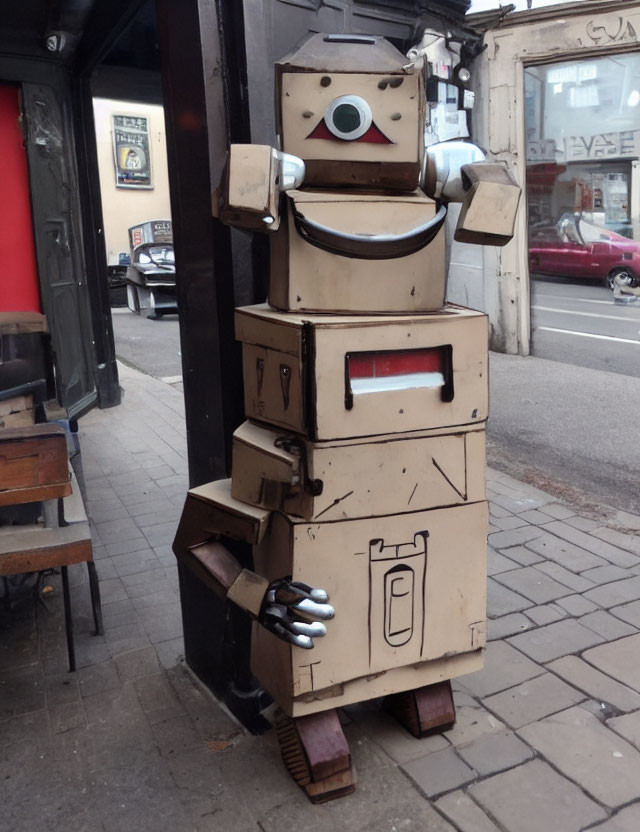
(348, 117)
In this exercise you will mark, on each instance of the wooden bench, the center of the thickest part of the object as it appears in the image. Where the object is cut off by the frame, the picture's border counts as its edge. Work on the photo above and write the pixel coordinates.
(34, 468)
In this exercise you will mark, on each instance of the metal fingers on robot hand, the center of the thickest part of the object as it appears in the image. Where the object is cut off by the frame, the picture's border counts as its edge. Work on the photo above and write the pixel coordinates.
(287, 608)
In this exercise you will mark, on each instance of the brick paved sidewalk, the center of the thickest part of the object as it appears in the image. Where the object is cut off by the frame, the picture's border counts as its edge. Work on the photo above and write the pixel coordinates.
(547, 737)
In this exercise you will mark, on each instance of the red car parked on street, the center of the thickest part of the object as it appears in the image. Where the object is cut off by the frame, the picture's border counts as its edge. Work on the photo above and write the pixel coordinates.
(574, 247)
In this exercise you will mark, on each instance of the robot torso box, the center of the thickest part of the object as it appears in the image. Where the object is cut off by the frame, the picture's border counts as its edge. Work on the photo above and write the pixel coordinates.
(345, 251)
(410, 591)
(338, 377)
(347, 479)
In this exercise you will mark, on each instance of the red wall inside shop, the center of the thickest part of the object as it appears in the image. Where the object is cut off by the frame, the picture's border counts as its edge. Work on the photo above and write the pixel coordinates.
(18, 269)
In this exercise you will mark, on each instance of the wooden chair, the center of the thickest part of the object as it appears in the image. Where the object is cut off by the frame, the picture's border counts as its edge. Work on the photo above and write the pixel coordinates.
(34, 467)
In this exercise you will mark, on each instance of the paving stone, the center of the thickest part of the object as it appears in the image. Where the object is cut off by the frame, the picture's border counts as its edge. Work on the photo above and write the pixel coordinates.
(534, 798)
(497, 563)
(439, 772)
(501, 601)
(496, 752)
(134, 562)
(557, 511)
(65, 717)
(158, 698)
(507, 523)
(23, 729)
(533, 700)
(578, 583)
(613, 554)
(99, 678)
(576, 605)
(605, 574)
(472, 722)
(504, 667)
(533, 584)
(112, 590)
(534, 516)
(394, 740)
(518, 503)
(584, 524)
(467, 815)
(606, 625)
(628, 726)
(515, 537)
(137, 663)
(521, 555)
(595, 684)
(630, 542)
(618, 659)
(627, 520)
(175, 735)
(555, 640)
(618, 592)
(508, 625)
(498, 511)
(170, 652)
(545, 614)
(127, 546)
(574, 741)
(629, 613)
(626, 820)
(566, 554)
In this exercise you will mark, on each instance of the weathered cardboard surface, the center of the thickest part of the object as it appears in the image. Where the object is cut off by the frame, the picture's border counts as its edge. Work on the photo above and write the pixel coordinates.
(392, 474)
(250, 192)
(305, 277)
(16, 404)
(489, 211)
(317, 388)
(304, 100)
(210, 511)
(433, 563)
(317, 54)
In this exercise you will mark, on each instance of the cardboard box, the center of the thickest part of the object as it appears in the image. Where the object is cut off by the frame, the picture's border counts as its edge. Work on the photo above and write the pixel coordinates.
(328, 67)
(250, 192)
(308, 277)
(17, 411)
(210, 511)
(489, 211)
(338, 377)
(409, 594)
(340, 480)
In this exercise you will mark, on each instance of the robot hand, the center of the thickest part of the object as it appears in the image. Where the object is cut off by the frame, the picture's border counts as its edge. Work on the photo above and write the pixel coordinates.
(286, 606)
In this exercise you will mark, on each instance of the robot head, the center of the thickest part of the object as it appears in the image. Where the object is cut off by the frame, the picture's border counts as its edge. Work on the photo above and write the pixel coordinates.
(349, 106)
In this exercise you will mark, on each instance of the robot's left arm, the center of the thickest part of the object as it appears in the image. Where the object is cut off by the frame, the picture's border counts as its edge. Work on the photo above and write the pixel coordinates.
(458, 172)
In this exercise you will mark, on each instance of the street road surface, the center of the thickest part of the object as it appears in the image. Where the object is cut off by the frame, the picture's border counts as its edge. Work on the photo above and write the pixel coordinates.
(578, 323)
(150, 346)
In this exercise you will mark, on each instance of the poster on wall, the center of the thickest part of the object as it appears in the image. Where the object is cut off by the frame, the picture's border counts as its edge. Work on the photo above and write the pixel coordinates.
(131, 151)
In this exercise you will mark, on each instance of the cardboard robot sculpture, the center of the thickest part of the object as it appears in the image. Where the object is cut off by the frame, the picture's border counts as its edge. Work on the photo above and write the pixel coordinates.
(359, 475)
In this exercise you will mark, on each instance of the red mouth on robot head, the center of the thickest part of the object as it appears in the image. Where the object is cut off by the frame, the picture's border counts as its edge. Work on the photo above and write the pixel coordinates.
(372, 136)
(348, 118)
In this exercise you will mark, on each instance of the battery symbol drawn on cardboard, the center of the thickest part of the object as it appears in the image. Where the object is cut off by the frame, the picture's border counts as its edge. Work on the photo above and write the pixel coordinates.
(397, 581)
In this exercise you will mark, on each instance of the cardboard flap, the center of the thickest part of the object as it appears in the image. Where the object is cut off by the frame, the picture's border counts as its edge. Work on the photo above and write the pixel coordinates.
(280, 458)
(227, 516)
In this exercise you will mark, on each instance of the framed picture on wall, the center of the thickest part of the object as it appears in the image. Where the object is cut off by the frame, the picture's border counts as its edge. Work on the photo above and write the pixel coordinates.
(131, 151)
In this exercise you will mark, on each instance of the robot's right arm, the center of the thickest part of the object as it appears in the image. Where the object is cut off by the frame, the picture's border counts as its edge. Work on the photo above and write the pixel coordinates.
(291, 610)
(255, 176)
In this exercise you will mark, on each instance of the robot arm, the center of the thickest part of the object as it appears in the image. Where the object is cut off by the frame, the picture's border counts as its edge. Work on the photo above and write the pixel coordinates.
(458, 172)
(254, 178)
(291, 610)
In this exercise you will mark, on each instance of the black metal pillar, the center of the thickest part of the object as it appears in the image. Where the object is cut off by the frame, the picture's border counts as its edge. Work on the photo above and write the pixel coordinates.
(203, 69)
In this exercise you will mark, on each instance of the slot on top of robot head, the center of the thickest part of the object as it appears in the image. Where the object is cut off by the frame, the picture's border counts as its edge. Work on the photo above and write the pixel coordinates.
(352, 109)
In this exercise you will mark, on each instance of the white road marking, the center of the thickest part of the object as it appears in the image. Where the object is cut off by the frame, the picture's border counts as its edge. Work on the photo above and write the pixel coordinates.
(576, 300)
(587, 335)
(584, 314)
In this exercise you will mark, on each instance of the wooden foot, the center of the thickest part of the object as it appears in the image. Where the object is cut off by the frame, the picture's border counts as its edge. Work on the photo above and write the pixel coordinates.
(316, 753)
(424, 711)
